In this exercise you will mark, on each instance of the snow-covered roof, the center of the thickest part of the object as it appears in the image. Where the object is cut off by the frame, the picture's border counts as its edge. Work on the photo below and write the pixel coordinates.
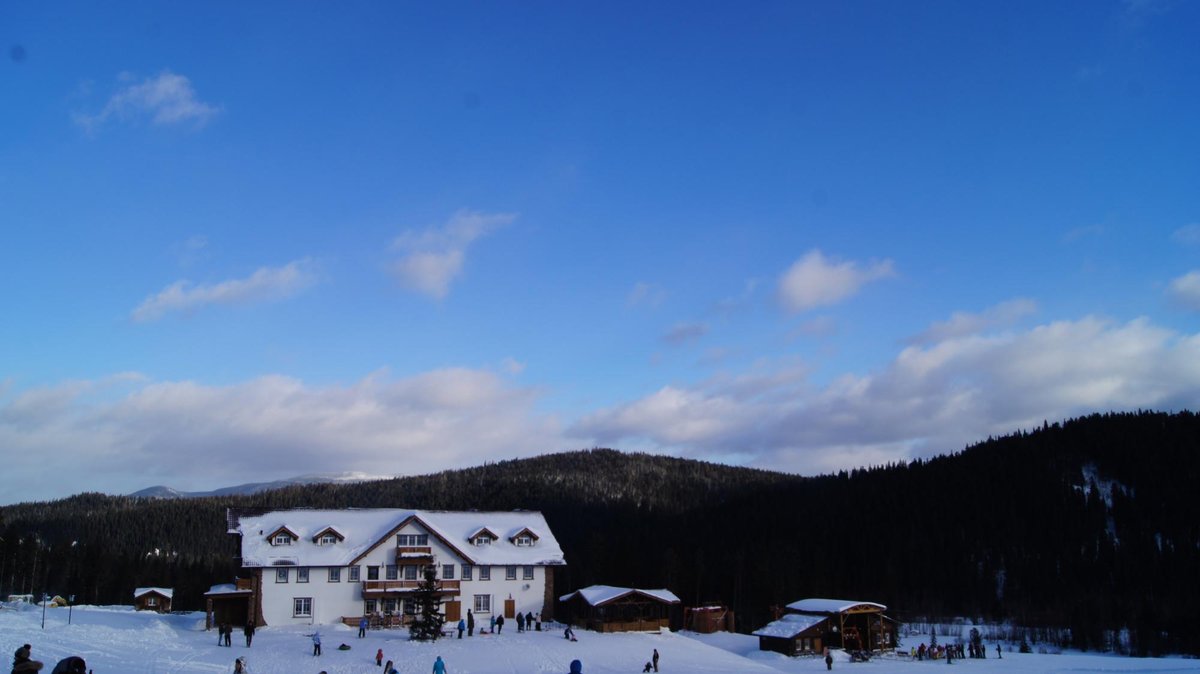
(225, 588)
(788, 626)
(602, 594)
(831, 605)
(164, 591)
(366, 529)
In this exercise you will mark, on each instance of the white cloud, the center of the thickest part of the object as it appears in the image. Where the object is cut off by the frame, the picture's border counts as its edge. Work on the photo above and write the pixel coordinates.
(930, 399)
(1185, 290)
(646, 295)
(166, 99)
(433, 258)
(196, 436)
(814, 281)
(267, 283)
(682, 333)
(1187, 235)
(962, 323)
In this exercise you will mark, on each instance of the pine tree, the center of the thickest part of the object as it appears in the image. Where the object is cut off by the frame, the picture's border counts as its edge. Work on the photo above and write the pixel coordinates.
(427, 625)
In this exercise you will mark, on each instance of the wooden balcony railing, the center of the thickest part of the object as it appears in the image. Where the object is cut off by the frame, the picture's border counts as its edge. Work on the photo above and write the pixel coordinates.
(382, 586)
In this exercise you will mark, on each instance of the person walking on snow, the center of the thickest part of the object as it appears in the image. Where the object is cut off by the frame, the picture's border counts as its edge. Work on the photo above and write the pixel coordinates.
(362, 627)
(248, 630)
(470, 624)
(229, 635)
(828, 659)
(379, 658)
(462, 625)
(316, 637)
(499, 624)
(439, 667)
(520, 622)
(655, 659)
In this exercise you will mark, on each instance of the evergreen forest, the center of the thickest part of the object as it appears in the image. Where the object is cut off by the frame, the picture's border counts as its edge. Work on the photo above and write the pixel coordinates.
(1090, 527)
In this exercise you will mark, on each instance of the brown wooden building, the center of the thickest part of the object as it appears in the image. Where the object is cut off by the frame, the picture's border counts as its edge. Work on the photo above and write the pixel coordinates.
(603, 608)
(153, 599)
(811, 625)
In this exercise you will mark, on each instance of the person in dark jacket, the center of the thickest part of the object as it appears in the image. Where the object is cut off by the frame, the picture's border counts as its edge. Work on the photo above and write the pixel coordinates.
(520, 622)
(828, 659)
(71, 665)
(229, 635)
(499, 624)
(655, 659)
(576, 667)
(470, 624)
(23, 661)
(248, 630)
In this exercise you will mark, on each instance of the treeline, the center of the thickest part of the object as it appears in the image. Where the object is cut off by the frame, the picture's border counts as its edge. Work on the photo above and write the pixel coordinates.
(1087, 527)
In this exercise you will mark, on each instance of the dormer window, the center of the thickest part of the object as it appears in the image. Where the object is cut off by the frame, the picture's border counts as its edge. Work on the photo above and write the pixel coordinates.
(282, 536)
(525, 538)
(328, 536)
(524, 541)
(482, 537)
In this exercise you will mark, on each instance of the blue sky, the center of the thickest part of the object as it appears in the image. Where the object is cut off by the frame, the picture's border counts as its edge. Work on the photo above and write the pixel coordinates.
(245, 241)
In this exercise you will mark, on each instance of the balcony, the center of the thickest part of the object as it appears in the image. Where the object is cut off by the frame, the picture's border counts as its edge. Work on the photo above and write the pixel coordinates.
(413, 554)
(375, 589)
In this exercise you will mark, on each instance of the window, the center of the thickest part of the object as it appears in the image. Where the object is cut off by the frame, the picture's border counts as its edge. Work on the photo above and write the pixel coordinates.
(281, 539)
(391, 572)
(151, 601)
(369, 606)
(527, 572)
(409, 540)
(524, 541)
(372, 573)
(510, 573)
(353, 576)
(327, 539)
(483, 539)
(448, 571)
(389, 606)
(409, 606)
(467, 570)
(301, 575)
(483, 603)
(335, 574)
(485, 573)
(281, 575)
(302, 607)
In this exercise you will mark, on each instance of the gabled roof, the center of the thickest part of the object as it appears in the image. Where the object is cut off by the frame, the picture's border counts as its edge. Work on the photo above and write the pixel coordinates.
(480, 532)
(835, 606)
(789, 625)
(524, 531)
(598, 595)
(164, 591)
(366, 530)
(327, 530)
(282, 530)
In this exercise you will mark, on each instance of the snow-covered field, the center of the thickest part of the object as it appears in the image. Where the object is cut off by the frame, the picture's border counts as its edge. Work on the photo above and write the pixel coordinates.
(119, 640)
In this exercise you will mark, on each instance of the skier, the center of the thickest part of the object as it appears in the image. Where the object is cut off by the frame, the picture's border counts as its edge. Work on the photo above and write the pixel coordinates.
(439, 667)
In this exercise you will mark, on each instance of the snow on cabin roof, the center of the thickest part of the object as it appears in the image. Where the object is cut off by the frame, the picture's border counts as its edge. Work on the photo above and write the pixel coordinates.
(366, 529)
(788, 626)
(830, 605)
(602, 594)
(225, 589)
(164, 591)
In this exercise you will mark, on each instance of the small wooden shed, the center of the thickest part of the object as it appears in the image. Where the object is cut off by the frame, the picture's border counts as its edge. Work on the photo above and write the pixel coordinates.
(153, 599)
(604, 608)
(811, 625)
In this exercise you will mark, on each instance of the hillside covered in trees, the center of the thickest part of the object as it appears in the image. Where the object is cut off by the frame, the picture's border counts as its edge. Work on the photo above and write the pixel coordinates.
(1090, 525)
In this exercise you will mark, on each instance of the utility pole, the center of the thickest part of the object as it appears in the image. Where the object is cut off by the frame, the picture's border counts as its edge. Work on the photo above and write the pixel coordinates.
(45, 600)
(70, 607)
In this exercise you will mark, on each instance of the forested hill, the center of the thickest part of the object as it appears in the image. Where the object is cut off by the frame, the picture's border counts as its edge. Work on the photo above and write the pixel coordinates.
(1089, 525)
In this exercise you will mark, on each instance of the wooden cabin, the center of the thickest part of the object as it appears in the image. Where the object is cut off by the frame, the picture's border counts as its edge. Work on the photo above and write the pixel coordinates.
(603, 608)
(708, 619)
(156, 599)
(811, 625)
(231, 604)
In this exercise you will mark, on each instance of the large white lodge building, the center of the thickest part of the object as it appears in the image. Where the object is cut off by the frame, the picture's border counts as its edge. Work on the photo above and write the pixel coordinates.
(329, 566)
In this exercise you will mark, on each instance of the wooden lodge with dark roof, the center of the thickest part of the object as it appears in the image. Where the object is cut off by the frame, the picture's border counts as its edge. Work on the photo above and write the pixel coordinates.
(603, 608)
(811, 625)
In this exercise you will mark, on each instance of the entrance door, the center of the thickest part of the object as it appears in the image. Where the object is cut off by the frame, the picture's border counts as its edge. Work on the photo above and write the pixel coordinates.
(453, 611)
(510, 608)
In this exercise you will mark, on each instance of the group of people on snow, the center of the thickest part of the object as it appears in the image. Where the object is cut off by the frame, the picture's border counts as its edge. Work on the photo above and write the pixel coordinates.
(23, 663)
